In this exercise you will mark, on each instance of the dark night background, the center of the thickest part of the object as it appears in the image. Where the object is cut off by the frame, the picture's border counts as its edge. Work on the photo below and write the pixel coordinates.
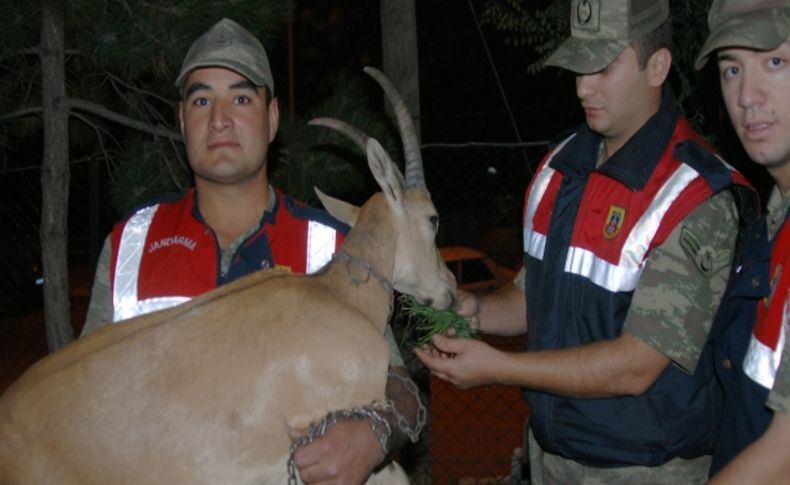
(464, 98)
(459, 96)
(461, 100)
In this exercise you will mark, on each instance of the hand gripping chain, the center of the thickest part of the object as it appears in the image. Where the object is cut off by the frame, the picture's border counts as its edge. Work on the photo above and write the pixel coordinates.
(381, 429)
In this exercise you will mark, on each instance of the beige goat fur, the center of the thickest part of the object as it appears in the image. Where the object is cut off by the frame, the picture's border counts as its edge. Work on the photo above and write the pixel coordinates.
(206, 392)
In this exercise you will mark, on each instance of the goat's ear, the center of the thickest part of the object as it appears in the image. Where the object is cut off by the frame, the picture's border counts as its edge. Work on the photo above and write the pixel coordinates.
(385, 172)
(340, 210)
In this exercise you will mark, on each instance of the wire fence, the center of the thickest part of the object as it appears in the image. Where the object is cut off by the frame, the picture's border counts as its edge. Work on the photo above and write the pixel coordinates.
(473, 436)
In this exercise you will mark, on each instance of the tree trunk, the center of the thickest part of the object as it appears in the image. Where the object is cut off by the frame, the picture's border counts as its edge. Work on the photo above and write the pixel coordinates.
(54, 178)
(399, 52)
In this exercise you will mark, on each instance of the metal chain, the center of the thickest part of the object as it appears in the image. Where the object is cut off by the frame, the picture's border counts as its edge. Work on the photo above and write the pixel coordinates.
(422, 413)
(365, 265)
(380, 426)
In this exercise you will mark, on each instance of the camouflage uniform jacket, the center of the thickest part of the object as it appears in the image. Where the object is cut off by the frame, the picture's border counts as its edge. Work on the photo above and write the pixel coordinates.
(590, 237)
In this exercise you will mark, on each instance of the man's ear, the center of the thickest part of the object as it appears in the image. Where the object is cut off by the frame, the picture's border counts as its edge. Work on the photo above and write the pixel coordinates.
(658, 67)
(274, 118)
(181, 118)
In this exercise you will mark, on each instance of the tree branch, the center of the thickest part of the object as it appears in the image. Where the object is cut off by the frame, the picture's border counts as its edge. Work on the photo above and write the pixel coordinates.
(131, 87)
(99, 110)
(32, 51)
(35, 110)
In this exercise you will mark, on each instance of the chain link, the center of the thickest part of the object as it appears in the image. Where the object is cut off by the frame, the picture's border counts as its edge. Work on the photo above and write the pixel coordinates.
(365, 265)
(422, 413)
(380, 426)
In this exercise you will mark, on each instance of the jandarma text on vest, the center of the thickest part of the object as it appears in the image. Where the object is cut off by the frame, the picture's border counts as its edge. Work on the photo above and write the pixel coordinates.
(172, 241)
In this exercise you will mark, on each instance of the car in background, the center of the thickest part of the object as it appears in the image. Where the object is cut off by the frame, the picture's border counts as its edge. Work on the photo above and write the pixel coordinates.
(474, 270)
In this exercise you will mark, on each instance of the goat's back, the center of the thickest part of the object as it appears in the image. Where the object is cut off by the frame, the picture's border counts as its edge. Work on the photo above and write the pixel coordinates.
(202, 393)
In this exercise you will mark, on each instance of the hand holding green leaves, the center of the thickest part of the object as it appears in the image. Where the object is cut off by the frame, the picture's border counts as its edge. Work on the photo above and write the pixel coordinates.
(423, 322)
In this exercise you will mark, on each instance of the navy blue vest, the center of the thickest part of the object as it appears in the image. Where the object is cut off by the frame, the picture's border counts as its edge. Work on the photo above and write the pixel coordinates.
(745, 417)
(678, 416)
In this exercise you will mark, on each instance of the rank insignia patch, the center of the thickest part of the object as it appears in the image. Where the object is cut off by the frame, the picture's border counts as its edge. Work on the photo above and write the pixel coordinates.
(614, 221)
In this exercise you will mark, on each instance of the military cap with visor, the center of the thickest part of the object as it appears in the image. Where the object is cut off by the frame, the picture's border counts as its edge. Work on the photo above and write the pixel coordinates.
(229, 45)
(749, 24)
(602, 29)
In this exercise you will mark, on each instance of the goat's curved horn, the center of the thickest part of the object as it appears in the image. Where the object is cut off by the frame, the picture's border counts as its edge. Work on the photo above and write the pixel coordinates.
(354, 134)
(414, 175)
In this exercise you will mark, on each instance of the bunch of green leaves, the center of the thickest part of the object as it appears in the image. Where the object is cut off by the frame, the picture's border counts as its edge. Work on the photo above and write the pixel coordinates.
(423, 322)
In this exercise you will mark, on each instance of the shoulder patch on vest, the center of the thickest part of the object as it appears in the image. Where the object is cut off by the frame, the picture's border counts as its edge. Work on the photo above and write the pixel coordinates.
(707, 259)
(713, 169)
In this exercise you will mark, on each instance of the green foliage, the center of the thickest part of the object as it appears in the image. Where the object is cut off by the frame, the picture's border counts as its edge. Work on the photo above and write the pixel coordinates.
(690, 31)
(135, 38)
(423, 322)
(540, 32)
(147, 169)
(319, 157)
(20, 23)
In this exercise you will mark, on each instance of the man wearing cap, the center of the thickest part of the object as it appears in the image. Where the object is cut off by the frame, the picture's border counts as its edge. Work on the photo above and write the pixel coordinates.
(231, 224)
(629, 229)
(750, 44)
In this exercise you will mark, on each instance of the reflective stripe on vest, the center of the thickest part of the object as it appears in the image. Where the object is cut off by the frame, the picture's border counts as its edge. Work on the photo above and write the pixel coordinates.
(320, 246)
(321, 240)
(534, 242)
(623, 276)
(761, 361)
(127, 270)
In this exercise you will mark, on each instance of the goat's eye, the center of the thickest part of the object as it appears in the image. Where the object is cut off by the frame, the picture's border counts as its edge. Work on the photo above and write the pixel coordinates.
(435, 222)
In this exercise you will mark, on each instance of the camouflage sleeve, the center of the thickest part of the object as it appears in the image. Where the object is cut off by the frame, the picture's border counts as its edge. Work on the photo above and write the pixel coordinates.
(683, 282)
(100, 309)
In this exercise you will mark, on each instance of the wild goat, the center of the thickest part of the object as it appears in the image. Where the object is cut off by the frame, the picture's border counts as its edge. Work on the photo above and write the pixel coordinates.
(207, 392)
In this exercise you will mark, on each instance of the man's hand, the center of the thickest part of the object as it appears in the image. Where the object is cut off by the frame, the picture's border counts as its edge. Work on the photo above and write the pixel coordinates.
(463, 362)
(346, 454)
(468, 306)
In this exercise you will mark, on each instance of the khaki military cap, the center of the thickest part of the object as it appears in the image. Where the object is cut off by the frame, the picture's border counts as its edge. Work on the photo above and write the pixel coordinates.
(751, 24)
(602, 29)
(229, 45)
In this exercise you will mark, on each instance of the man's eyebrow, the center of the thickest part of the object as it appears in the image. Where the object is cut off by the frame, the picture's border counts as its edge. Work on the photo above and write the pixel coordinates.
(196, 86)
(199, 86)
(724, 56)
(244, 84)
